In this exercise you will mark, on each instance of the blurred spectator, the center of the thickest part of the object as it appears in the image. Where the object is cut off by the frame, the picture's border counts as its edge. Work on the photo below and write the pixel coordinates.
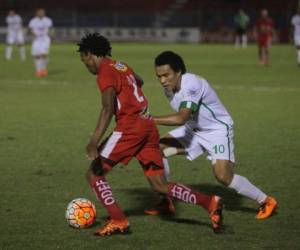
(264, 33)
(296, 28)
(241, 21)
(14, 35)
(39, 27)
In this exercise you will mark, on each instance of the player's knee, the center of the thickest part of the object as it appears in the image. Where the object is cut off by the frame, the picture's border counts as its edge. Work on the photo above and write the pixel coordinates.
(158, 184)
(97, 168)
(224, 178)
(162, 189)
(223, 172)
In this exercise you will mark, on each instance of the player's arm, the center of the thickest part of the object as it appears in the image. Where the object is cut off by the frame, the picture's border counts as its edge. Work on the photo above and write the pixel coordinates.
(106, 114)
(176, 119)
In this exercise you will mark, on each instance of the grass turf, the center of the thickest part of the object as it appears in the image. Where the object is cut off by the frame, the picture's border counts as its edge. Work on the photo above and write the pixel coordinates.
(45, 125)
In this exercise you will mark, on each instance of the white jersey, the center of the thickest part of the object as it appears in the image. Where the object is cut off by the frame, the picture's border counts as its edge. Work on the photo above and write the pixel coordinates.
(296, 23)
(197, 94)
(40, 26)
(14, 23)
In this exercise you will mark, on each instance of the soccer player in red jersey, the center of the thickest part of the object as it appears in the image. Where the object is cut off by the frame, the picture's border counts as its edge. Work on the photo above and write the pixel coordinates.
(264, 33)
(135, 135)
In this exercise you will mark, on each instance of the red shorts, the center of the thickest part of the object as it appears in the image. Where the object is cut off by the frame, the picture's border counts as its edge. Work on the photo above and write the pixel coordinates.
(120, 147)
(263, 41)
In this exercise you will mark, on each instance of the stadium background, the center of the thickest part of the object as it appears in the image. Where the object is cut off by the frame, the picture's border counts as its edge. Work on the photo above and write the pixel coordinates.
(212, 18)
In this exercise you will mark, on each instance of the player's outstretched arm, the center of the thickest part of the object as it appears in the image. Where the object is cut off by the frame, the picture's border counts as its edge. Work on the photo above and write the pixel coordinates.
(176, 119)
(106, 113)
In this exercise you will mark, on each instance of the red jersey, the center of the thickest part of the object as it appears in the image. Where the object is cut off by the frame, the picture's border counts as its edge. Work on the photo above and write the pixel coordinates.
(264, 27)
(130, 100)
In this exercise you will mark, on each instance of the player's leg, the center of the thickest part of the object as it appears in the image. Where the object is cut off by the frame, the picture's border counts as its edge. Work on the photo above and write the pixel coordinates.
(170, 146)
(266, 55)
(221, 150)
(151, 161)
(223, 171)
(179, 141)
(36, 53)
(211, 203)
(20, 43)
(298, 54)
(260, 54)
(237, 40)
(39, 50)
(9, 46)
(95, 175)
(45, 59)
(244, 40)
(44, 65)
(8, 51)
(38, 63)
(297, 45)
(22, 51)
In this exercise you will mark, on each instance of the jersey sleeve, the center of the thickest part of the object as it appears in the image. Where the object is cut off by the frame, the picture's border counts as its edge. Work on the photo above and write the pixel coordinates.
(293, 21)
(50, 23)
(30, 24)
(107, 78)
(192, 94)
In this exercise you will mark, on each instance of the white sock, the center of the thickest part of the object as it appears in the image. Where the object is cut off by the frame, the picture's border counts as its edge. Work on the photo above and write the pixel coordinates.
(38, 64)
(244, 41)
(166, 168)
(8, 52)
(298, 55)
(244, 187)
(237, 42)
(22, 53)
(44, 63)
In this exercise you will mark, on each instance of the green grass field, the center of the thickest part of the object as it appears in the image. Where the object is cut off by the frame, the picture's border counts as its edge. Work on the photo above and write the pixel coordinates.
(45, 125)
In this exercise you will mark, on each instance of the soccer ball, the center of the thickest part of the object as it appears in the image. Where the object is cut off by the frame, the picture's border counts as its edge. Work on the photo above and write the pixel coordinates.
(80, 213)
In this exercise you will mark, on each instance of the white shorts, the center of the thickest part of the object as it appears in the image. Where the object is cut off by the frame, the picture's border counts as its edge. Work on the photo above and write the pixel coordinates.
(297, 40)
(40, 46)
(16, 37)
(217, 143)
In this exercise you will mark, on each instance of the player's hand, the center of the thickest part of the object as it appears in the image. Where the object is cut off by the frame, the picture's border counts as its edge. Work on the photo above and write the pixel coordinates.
(92, 151)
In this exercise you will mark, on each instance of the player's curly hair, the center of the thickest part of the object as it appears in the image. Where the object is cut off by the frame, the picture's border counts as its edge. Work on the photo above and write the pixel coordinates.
(95, 44)
(170, 58)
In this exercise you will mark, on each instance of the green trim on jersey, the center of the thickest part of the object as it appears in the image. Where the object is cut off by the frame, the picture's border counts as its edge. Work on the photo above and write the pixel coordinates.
(189, 105)
(227, 126)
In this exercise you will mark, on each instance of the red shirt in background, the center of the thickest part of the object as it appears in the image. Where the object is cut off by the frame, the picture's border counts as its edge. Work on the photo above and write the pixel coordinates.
(264, 30)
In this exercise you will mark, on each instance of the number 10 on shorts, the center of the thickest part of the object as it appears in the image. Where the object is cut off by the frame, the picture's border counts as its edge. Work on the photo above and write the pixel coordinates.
(219, 149)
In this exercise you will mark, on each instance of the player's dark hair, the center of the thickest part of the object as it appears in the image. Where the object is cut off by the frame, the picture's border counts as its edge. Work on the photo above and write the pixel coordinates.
(95, 44)
(170, 58)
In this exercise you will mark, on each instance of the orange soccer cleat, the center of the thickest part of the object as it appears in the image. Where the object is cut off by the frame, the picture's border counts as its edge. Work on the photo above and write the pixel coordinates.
(41, 72)
(164, 207)
(114, 227)
(215, 213)
(44, 72)
(267, 208)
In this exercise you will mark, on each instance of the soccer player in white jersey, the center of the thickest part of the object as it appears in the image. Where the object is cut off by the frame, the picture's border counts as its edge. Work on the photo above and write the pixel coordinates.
(40, 27)
(15, 35)
(296, 25)
(204, 126)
